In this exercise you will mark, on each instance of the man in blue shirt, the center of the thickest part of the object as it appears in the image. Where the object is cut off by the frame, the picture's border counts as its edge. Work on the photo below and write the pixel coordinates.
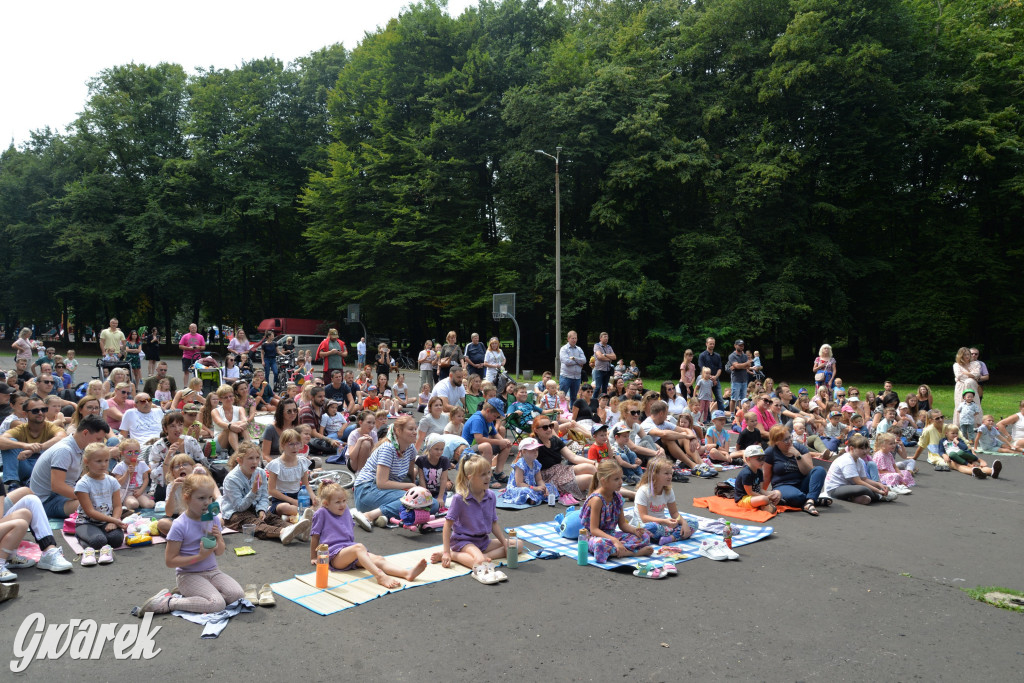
(711, 360)
(572, 360)
(480, 431)
(475, 354)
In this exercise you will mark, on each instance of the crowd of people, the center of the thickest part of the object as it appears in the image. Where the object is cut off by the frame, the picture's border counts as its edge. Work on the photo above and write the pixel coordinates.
(471, 436)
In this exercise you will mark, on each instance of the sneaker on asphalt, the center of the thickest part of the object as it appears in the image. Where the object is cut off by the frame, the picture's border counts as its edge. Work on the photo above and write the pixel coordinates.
(381, 522)
(708, 550)
(307, 514)
(289, 533)
(19, 562)
(106, 555)
(891, 496)
(89, 557)
(997, 467)
(724, 549)
(360, 519)
(158, 604)
(978, 473)
(53, 560)
(6, 575)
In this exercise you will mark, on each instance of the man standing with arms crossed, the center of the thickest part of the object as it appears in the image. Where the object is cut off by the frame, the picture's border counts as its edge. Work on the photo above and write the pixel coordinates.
(738, 366)
(572, 359)
(711, 360)
(604, 356)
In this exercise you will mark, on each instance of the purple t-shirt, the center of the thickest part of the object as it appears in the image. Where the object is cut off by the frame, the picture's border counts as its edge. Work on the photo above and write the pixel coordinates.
(189, 533)
(334, 530)
(473, 519)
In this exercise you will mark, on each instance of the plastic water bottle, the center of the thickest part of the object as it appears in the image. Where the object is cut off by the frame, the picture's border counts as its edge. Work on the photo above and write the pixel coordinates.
(582, 550)
(727, 534)
(512, 552)
(303, 499)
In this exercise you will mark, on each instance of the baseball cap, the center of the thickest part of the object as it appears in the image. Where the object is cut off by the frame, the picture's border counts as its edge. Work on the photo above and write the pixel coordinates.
(738, 342)
(529, 444)
(847, 408)
(372, 387)
(803, 390)
(597, 427)
(836, 413)
(387, 392)
(903, 404)
(853, 399)
(967, 391)
(6, 388)
(718, 414)
(621, 429)
(753, 450)
(498, 405)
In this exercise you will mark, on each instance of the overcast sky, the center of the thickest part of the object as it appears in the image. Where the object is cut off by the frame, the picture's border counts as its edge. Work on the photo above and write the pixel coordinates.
(50, 50)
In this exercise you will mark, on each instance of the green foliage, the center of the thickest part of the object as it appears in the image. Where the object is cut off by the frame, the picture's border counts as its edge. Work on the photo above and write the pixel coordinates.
(789, 171)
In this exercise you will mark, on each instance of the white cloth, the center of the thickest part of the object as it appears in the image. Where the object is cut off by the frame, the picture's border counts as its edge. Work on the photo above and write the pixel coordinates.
(237, 415)
(142, 426)
(656, 504)
(494, 357)
(842, 471)
(454, 394)
(100, 492)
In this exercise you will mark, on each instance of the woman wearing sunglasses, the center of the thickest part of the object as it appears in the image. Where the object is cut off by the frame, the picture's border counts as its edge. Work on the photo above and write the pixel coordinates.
(571, 473)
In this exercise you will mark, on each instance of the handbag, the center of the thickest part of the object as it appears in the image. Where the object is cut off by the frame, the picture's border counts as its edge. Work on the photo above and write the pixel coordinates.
(819, 377)
(445, 362)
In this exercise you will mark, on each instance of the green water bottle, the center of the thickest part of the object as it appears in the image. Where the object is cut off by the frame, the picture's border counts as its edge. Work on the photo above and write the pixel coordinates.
(581, 548)
(512, 553)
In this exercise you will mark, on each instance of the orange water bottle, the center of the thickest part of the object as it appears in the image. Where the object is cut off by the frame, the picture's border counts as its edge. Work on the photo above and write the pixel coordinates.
(322, 560)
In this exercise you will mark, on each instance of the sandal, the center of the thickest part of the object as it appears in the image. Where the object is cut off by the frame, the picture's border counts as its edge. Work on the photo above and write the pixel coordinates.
(810, 509)
(824, 502)
(482, 574)
(498, 574)
(669, 568)
(267, 596)
(648, 571)
(252, 593)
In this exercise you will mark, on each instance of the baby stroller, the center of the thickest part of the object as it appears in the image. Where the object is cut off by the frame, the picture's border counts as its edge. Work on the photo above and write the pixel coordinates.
(103, 367)
(211, 376)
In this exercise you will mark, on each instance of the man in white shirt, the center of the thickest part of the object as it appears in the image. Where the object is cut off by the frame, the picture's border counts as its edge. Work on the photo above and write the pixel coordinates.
(450, 389)
(677, 441)
(361, 351)
(142, 422)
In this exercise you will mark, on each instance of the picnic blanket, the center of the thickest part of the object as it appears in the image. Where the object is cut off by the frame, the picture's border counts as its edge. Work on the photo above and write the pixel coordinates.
(728, 508)
(546, 535)
(347, 589)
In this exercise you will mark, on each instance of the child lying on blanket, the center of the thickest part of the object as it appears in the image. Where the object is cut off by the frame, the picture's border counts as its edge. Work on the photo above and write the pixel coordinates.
(655, 508)
(611, 534)
(332, 524)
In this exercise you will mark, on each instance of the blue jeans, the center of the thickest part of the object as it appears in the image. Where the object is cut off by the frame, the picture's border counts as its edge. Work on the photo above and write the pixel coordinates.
(601, 381)
(872, 470)
(270, 370)
(369, 497)
(17, 470)
(809, 488)
(571, 387)
(716, 389)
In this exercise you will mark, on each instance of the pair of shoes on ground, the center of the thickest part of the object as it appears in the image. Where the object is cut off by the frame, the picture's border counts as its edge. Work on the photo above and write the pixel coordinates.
(364, 522)
(901, 489)
(487, 574)
(300, 530)
(91, 557)
(942, 467)
(262, 596)
(650, 570)
(705, 471)
(997, 467)
(714, 549)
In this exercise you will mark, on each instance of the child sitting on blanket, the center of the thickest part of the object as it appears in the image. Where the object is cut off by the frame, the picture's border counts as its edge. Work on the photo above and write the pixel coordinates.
(747, 492)
(133, 476)
(246, 500)
(99, 524)
(471, 520)
(959, 456)
(627, 459)
(526, 485)
(193, 545)
(991, 440)
(611, 534)
(656, 509)
(432, 469)
(717, 438)
(890, 472)
(332, 524)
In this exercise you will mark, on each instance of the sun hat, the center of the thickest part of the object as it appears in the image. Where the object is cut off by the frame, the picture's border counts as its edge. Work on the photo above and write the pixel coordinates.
(529, 444)
(752, 450)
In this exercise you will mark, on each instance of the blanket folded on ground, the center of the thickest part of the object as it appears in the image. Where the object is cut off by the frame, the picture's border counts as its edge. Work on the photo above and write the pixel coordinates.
(729, 508)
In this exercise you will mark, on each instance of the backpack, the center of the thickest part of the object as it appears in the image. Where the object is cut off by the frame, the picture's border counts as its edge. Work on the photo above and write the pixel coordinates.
(724, 489)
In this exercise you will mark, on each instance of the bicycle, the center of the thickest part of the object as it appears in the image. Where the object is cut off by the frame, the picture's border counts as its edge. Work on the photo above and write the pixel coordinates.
(405, 361)
(343, 478)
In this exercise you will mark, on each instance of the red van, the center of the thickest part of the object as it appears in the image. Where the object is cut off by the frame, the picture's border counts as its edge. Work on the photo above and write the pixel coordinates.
(294, 326)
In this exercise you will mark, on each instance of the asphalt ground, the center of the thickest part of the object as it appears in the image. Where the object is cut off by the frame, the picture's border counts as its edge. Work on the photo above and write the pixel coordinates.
(858, 593)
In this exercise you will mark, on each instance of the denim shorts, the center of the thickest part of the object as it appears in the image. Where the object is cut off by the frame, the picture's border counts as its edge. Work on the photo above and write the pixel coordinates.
(54, 506)
(739, 391)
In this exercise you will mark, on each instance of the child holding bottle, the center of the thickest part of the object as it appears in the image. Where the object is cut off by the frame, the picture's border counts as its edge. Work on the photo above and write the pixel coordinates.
(611, 534)
(332, 525)
(193, 546)
(432, 468)
(286, 474)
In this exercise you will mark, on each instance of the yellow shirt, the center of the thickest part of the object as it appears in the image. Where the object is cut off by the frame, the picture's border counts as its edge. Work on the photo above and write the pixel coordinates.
(111, 341)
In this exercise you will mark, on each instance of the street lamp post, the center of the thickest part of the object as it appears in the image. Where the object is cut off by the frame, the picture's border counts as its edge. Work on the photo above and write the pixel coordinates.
(558, 259)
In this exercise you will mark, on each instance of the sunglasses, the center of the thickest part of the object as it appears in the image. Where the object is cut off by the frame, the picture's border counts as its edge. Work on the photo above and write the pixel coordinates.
(36, 411)
(140, 402)
(60, 366)
(634, 412)
(542, 426)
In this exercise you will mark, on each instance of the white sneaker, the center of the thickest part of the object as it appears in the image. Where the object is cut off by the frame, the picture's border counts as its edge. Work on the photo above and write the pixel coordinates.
(6, 575)
(361, 520)
(89, 557)
(901, 489)
(106, 555)
(307, 514)
(53, 559)
(891, 496)
(723, 548)
(295, 531)
(19, 562)
(708, 550)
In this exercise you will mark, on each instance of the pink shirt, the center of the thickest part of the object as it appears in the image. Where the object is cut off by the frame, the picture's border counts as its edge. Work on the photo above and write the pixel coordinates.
(190, 339)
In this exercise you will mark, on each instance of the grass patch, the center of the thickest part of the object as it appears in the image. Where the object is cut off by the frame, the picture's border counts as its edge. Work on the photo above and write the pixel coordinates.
(984, 594)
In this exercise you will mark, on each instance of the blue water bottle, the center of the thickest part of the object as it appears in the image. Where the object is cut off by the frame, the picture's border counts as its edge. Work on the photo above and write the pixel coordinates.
(303, 499)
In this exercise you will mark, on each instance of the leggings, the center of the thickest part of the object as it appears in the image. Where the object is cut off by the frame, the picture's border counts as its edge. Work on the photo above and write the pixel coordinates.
(850, 491)
(204, 592)
(270, 527)
(602, 548)
(93, 536)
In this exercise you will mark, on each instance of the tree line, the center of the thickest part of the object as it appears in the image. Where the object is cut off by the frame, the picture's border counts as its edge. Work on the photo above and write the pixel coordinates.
(790, 171)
